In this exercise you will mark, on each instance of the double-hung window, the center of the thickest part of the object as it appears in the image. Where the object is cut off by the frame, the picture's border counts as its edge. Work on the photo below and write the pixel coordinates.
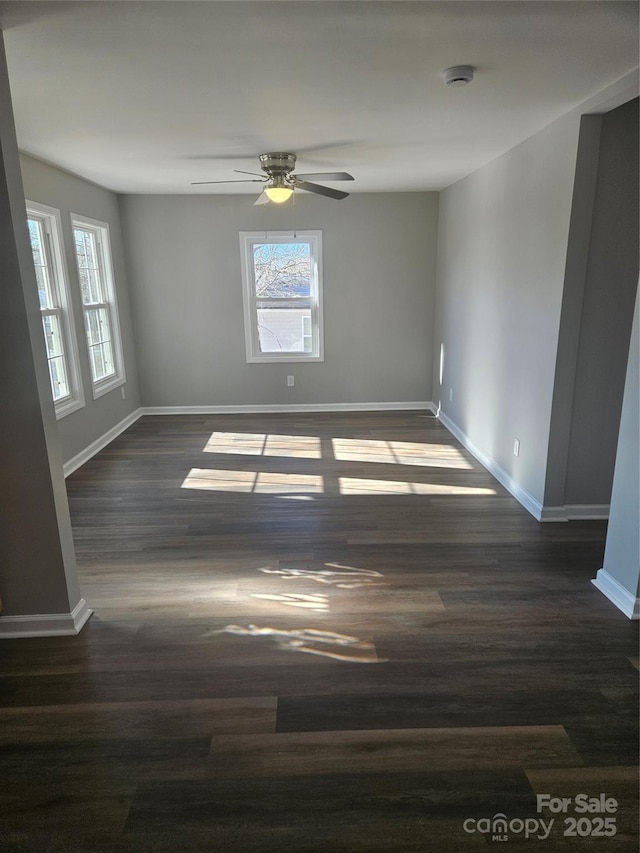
(282, 295)
(93, 258)
(55, 307)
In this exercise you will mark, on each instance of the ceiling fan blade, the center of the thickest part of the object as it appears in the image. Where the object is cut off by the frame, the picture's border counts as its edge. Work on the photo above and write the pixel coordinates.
(327, 176)
(240, 181)
(320, 190)
(263, 198)
(243, 172)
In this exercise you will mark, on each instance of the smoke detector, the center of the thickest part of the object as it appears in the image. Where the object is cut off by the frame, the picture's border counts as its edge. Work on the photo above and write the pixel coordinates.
(459, 75)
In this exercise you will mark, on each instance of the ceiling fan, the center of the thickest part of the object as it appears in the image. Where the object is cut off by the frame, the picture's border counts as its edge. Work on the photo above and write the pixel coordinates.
(280, 182)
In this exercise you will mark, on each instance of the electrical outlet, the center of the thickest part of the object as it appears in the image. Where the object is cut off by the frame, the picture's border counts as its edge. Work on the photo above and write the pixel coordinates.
(516, 447)
(451, 395)
(123, 392)
(290, 381)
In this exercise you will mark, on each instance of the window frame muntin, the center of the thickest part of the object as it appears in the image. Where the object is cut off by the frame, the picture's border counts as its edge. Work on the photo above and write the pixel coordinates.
(252, 344)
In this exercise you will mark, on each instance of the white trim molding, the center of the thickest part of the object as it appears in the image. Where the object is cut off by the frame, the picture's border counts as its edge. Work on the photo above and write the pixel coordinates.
(284, 408)
(100, 443)
(617, 594)
(568, 512)
(46, 624)
(521, 495)
(575, 512)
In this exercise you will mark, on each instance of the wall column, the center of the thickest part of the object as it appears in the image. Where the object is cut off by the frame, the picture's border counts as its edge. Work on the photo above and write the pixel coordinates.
(619, 578)
(38, 580)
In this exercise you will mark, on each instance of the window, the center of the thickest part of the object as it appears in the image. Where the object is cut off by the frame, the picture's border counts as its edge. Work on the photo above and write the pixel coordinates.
(55, 307)
(282, 292)
(93, 257)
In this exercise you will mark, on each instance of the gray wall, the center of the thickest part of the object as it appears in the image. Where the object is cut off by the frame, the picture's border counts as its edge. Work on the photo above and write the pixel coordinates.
(622, 552)
(607, 312)
(70, 194)
(502, 248)
(379, 279)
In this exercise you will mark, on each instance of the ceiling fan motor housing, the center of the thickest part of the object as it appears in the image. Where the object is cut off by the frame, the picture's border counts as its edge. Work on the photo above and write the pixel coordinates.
(277, 163)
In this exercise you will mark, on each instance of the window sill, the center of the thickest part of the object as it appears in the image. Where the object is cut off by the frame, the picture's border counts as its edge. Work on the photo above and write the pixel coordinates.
(289, 358)
(66, 407)
(108, 385)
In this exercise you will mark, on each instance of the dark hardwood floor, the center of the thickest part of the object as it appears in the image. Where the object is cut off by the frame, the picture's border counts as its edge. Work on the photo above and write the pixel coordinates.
(319, 633)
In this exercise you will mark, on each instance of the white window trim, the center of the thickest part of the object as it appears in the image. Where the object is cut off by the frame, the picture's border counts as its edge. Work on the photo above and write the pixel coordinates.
(253, 354)
(103, 240)
(52, 222)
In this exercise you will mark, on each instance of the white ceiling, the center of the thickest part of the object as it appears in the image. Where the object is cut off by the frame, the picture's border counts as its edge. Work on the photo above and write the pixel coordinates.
(145, 97)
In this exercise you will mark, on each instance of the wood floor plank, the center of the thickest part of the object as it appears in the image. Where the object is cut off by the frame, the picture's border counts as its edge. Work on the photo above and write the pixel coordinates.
(422, 710)
(391, 750)
(122, 721)
(71, 806)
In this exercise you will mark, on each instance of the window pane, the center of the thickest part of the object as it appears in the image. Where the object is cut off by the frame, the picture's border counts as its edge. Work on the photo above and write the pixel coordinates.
(97, 367)
(36, 237)
(88, 270)
(92, 323)
(85, 247)
(97, 325)
(99, 340)
(94, 289)
(282, 269)
(101, 361)
(281, 329)
(44, 293)
(90, 249)
(52, 335)
(107, 357)
(58, 374)
(84, 284)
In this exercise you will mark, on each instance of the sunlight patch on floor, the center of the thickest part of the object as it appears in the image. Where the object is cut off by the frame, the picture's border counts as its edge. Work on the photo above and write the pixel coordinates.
(263, 444)
(398, 453)
(311, 641)
(318, 603)
(273, 483)
(342, 577)
(256, 482)
(365, 486)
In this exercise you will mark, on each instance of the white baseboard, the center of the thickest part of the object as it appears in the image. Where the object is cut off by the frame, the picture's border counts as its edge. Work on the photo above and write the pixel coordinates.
(46, 624)
(284, 408)
(521, 495)
(575, 512)
(553, 513)
(617, 594)
(568, 512)
(100, 443)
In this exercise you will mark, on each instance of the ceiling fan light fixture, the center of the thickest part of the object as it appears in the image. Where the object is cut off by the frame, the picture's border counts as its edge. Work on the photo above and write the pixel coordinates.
(278, 194)
(280, 182)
